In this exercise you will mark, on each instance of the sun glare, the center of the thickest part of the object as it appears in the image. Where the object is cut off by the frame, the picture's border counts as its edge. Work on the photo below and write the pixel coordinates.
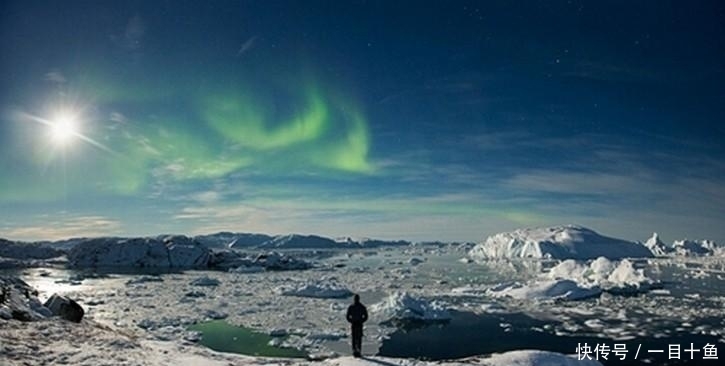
(64, 128)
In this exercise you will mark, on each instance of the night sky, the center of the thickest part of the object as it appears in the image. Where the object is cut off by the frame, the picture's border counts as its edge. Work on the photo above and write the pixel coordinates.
(446, 120)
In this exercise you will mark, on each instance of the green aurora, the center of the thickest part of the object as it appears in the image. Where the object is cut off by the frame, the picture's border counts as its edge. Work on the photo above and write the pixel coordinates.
(215, 134)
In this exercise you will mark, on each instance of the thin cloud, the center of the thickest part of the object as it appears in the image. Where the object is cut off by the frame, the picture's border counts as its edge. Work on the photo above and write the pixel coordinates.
(62, 227)
(55, 77)
(247, 45)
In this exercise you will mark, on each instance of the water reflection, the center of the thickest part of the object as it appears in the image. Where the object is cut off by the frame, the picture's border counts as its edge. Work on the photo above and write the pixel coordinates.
(469, 334)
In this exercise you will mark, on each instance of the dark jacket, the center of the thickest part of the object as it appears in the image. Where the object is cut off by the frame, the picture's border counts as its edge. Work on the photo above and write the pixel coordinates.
(357, 313)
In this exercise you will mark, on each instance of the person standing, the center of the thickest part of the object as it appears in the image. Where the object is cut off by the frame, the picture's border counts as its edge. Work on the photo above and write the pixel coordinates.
(357, 314)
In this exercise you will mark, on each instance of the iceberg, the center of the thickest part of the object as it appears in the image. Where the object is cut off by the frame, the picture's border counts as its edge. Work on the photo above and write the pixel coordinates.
(577, 280)
(558, 242)
(657, 247)
(173, 251)
(400, 306)
(697, 248)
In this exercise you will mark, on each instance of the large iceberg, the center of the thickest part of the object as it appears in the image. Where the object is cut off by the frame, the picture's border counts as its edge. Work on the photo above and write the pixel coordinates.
(558, 242)
(169, 252)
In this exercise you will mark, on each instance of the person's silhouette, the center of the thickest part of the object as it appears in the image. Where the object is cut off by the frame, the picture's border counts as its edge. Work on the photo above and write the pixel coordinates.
(357, 314)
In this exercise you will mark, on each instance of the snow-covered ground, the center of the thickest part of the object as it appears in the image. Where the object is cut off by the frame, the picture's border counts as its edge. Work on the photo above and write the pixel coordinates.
(142, 315)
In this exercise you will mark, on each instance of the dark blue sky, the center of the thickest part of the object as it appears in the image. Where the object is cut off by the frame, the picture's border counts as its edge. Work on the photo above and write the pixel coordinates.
(448, 120)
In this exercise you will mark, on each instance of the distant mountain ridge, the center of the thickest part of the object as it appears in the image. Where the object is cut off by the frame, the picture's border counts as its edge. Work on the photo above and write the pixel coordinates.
(557, 242)
(233, 240)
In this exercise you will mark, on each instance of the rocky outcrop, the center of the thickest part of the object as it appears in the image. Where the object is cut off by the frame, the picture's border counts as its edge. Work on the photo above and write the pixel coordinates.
(19, 301)
(19, 250)
(65, 308)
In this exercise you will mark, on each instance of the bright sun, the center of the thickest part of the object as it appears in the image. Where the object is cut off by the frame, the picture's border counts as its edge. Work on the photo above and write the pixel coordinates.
(64, 128)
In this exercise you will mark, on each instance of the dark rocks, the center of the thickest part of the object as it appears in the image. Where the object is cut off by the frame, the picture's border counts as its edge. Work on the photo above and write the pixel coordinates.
(19, 301)
(65, 307)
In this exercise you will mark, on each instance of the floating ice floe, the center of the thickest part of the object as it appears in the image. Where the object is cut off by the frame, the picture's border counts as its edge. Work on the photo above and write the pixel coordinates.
(144, 279)
(558, 242)
(205, 281)
(575, 280)
(549, 289)
(326, 290)
(400, 306)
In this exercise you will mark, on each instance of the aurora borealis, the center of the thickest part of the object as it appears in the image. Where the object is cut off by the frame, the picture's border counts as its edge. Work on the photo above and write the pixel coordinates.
(440, 122)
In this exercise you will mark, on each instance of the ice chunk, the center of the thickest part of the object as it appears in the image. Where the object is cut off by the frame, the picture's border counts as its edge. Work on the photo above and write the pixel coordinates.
(551, 289)
(318, 289)
(144, 279)
(205, 281)
(402, 306)
(656, 246)
(600, 272)
(576, 280)
(695, 248)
